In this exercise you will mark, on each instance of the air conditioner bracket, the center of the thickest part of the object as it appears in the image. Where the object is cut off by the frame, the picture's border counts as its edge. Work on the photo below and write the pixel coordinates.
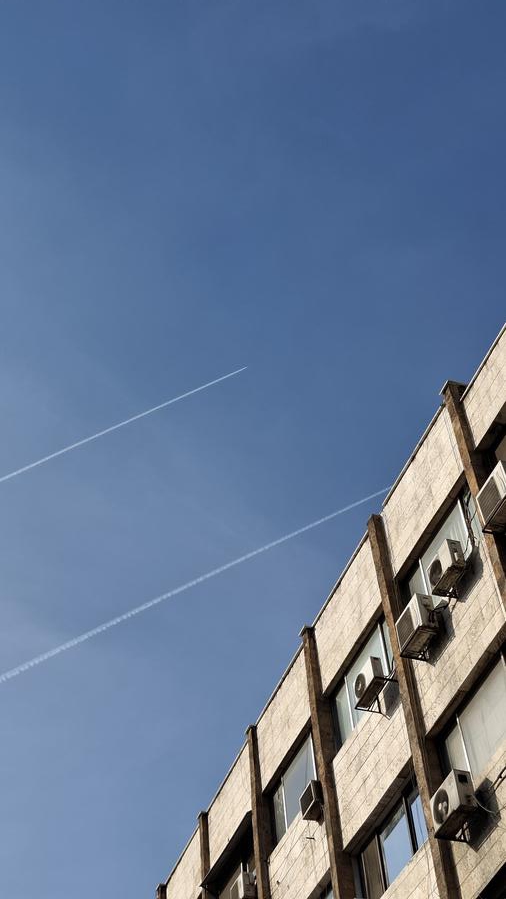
(421, 656)
(459, 837)
(375, 705)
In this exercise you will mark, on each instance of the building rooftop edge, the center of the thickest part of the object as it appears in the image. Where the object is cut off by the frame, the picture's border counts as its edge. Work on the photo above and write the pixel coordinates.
(414, 452)
(180, 856)
(337, 584)
(484, 361)
(227, 775)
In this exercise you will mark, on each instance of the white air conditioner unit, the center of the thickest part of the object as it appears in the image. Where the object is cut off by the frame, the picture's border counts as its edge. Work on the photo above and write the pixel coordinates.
(416, 625)
(446, 568)
(369, 683)
(244, 887)
(311, 801)
(491, 500)
(452, 805)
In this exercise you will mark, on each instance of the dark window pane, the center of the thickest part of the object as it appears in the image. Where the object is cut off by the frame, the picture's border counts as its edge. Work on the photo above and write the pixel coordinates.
(455, 749)
(396, 844)
(453, 528)
(225, 892)
(250, 864)
(416, 583)
(296, 779)
(372, 871)
(388, 645)
(418, 818)
(279, 813)
(373, 647)
(343, 713)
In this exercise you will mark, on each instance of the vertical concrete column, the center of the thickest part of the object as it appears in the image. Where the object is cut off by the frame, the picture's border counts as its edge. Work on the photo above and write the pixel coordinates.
(204, 849)
(423, 751)
(476, 474)
(261, 821)
(341, 872)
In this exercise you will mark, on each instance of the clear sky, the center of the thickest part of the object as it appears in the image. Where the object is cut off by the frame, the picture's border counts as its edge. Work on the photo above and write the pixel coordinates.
(313, 189)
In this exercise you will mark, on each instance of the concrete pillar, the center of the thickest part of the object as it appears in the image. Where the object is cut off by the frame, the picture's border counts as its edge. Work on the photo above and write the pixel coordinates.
(261, 820)
(341, 872)
(204, 850)
(476, 474)
(423, 751)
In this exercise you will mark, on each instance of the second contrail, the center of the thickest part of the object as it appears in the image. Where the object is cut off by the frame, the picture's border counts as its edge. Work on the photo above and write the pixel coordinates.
(119, 424)
(107, 625)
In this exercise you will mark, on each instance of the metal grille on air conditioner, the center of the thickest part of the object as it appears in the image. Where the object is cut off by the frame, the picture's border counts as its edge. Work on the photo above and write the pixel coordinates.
(416, 626)
(446, 568)
(452, 805)
(405, 626)
(491, 499)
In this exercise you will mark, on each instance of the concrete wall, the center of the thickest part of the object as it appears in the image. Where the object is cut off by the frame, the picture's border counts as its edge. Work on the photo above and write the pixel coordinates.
(283, 720)
(355, 603)
(477, 625)
(229, 806)
(368, 771)
(422, 490)
(486, 395)
(300, 861)
(184, 882)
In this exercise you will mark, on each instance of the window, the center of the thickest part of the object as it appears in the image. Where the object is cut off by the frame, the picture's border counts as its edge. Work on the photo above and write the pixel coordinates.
(224, 893)
(327, 893)
(345, 713)
(241, 858)
(480, 728)
(291, 787)
(500, 451)
(461, 524)
(392, 846)
(247, 864)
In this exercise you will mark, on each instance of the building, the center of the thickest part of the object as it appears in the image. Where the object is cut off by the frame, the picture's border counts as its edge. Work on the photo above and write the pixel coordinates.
(368, 774)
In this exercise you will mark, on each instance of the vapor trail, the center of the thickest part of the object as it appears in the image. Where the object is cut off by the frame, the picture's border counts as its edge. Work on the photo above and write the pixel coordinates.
(25, 666)
(120, 424)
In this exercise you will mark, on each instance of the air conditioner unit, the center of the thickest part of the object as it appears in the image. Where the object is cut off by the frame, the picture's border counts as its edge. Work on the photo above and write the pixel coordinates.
(417, 624)
(452, 805)
(447, 567)
(311, 801)
(491, 500)
(244, 887)
(369, 683)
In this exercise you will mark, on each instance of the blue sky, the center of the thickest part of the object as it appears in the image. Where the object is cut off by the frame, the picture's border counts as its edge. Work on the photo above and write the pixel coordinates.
(312, 189)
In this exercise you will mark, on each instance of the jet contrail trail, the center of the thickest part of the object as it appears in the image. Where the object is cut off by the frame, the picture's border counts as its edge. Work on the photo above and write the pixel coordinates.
(120, 424)
(70, 644)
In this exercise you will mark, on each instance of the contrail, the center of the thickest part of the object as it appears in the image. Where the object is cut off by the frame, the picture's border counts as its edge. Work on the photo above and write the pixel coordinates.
(107, 625)
(120, 424)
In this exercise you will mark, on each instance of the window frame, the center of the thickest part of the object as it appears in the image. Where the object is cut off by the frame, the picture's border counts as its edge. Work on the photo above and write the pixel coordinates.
(454, 722)
(327, 892)
(387, 659)
(406, 802)
(280, 785)
(462, 502)
(242, 859)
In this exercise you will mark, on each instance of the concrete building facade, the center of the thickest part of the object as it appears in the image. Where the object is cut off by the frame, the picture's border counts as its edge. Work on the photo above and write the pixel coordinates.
(375, 769)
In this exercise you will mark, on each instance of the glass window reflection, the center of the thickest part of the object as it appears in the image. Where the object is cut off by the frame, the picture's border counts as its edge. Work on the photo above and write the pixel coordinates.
(396, 844)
